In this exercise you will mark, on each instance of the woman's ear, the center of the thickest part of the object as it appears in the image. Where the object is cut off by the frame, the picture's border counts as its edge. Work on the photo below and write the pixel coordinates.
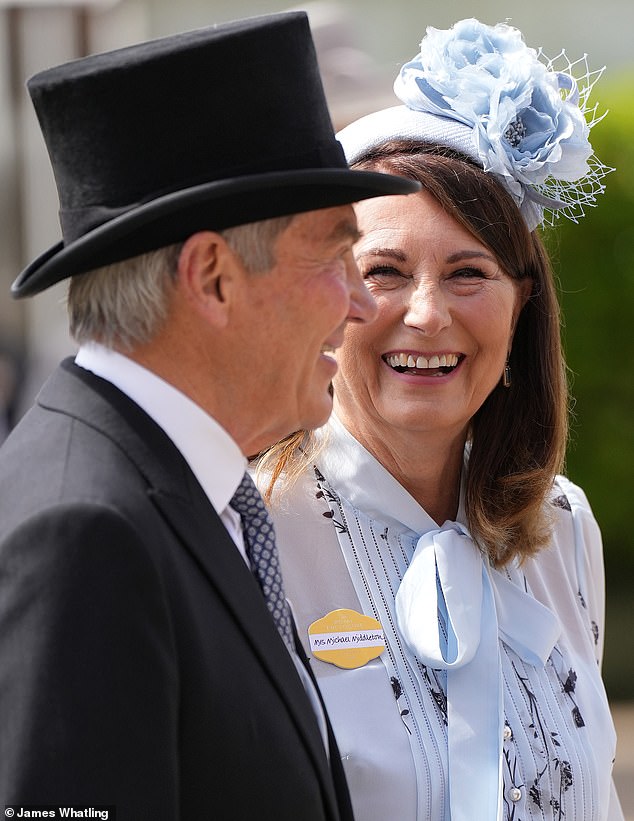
(207, 270)
(524, 291)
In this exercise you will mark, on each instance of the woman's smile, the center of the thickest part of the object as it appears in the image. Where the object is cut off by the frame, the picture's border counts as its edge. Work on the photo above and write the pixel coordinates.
(423, 365)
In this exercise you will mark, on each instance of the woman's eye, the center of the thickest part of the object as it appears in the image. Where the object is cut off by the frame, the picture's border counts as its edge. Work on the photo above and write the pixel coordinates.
(382, 271)
(470, 273)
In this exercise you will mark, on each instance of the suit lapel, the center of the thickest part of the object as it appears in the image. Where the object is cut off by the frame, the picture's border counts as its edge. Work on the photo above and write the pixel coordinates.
(203, 534)
(181, 501)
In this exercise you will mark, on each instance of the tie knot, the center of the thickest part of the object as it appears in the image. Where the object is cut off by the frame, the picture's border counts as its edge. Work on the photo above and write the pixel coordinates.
(256, 522)
(247, 500)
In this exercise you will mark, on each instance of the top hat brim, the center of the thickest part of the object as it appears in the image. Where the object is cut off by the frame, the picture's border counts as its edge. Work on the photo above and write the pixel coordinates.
(217, 205)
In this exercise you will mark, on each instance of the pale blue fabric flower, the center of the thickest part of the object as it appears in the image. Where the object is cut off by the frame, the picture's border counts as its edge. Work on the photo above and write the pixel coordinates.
(482, 90)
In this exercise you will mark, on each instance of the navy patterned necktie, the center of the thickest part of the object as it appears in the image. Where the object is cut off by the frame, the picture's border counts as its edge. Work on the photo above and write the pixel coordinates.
(259, 541)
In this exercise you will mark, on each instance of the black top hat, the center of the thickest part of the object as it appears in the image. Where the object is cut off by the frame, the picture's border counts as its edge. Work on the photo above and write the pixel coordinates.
(207, 129)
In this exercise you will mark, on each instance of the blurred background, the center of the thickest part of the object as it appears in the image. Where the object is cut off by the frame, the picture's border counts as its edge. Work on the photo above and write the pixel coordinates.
(361, 44)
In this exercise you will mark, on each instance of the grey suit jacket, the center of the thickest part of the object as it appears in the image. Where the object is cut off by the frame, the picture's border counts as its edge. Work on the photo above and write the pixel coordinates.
(138, 663)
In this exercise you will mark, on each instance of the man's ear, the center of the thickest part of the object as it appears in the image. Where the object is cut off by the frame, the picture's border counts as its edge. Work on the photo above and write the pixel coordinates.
(207, 270)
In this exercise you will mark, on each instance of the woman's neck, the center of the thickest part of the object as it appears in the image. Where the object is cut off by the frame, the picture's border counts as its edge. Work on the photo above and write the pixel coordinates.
(427, 464)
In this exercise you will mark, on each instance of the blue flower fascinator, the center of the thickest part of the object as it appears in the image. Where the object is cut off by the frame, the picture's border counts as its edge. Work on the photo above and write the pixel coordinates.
(526, 118)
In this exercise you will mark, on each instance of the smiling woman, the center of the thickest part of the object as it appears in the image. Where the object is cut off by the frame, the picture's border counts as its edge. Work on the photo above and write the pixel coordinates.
(433, 501)
(456, 273)
(441, 295)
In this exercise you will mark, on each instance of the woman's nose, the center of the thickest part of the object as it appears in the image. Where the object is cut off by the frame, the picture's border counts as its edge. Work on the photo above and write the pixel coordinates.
(428, 309)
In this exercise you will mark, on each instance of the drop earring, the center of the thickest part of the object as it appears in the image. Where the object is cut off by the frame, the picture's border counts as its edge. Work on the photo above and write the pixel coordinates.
(506, 377)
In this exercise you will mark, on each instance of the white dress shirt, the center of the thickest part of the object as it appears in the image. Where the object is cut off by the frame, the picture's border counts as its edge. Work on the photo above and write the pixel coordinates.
(194, 432)
(487, 702)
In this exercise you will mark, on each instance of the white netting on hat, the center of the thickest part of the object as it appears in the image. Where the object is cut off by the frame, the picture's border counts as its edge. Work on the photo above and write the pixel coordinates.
(577, 195)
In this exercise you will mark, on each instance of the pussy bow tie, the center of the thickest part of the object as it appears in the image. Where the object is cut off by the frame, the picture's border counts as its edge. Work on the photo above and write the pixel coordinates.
(449, 581)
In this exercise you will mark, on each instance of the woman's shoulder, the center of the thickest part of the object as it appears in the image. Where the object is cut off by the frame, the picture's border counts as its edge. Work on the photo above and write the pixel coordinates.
(568, 573)
(569, 496)
(574, 519)
(290, 496)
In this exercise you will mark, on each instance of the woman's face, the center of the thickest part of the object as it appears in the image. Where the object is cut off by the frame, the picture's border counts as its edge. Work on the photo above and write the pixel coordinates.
(446, 314)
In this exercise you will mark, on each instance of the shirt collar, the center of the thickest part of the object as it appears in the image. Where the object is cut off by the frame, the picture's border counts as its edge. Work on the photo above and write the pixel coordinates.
(367, 485)
(213, 456)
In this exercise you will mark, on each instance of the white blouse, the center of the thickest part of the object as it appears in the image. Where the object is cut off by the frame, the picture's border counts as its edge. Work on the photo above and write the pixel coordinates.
(487, 702)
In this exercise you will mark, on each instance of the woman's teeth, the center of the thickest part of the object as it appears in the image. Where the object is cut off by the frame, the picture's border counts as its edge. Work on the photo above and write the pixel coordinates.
(406, 361)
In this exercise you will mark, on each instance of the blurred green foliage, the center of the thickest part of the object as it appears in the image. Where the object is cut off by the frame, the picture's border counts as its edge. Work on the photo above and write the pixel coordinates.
(594, 262)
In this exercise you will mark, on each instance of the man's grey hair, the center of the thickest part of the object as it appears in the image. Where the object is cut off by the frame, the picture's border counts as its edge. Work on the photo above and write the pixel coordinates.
(123, 305)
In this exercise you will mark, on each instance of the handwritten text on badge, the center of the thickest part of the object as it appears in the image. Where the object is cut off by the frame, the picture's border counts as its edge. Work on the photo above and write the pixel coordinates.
(346, 638)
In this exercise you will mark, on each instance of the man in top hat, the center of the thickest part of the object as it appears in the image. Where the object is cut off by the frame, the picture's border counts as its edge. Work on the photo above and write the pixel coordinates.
(207, 232)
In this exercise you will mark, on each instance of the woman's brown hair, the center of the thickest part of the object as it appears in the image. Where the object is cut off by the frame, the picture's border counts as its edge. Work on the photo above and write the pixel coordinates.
(518, 436)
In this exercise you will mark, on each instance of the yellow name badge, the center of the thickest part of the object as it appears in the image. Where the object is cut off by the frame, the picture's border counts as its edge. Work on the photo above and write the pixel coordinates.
(346, 638)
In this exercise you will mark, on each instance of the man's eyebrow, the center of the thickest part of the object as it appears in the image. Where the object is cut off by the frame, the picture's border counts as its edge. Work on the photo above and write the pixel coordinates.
(345, 230)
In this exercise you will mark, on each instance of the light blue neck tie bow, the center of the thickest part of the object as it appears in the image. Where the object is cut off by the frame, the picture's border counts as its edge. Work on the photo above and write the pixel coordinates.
(479, 605)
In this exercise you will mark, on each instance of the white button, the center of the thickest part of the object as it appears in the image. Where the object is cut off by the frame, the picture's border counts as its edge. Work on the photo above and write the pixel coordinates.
(507, 732)
(515, 794)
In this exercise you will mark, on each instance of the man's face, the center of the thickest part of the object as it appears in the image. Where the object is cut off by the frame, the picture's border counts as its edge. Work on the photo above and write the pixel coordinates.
(294, 318)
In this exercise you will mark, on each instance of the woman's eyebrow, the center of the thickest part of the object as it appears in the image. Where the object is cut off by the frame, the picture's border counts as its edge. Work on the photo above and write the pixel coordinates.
(459, 256)
(394, 253)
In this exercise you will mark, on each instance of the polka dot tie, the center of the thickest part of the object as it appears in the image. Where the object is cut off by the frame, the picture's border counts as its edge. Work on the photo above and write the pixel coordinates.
(259, 541)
